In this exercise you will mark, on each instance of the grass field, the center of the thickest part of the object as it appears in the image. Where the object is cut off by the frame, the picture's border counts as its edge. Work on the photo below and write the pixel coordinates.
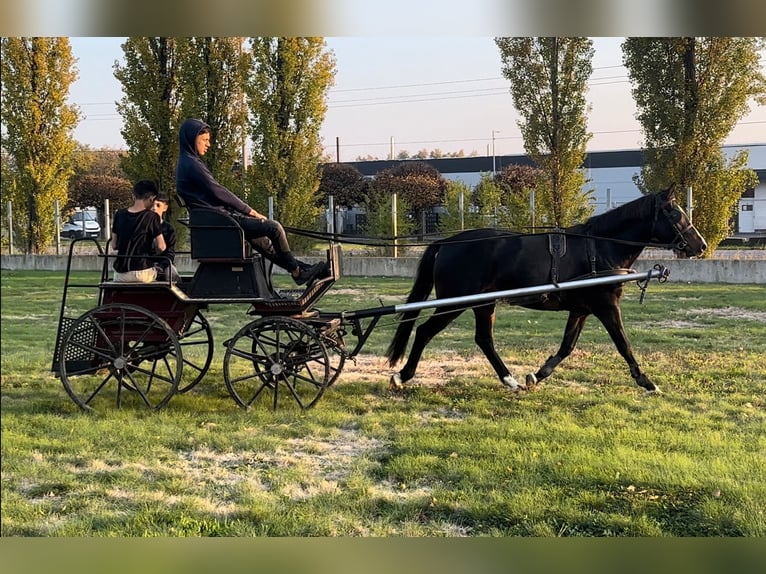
(587, 453)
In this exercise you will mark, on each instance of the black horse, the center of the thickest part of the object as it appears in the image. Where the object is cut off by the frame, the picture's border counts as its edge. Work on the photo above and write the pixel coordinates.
(486, 260)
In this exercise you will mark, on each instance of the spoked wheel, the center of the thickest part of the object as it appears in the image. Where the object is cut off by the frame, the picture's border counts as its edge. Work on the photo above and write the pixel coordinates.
(337, 353)
(197, 345)
(122, 353)
(277, 357)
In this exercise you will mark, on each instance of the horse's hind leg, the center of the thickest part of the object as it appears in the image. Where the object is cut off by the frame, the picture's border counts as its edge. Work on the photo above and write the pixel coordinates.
(423, 335)
(485, 322)
(612, 319)
(575, 323)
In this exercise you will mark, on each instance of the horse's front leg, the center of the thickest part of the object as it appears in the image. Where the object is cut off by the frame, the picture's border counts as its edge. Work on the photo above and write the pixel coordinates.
(485, 322)
(611, 317)
(575, 323)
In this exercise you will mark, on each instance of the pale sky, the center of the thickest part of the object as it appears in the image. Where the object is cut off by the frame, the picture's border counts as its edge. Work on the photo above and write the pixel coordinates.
(428, 93)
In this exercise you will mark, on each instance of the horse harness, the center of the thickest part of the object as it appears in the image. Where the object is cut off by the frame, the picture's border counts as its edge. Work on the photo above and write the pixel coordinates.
(557, 247)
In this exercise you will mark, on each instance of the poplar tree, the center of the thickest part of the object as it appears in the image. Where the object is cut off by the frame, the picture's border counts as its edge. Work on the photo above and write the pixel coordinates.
(548, 79)
(287, 98)
(211, 74)
(37, 125)
(690, 93)
(149, 109)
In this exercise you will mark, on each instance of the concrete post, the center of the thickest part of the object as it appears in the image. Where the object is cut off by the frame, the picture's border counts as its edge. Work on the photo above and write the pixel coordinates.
(106, 232)
(57, 224)
(394, 224)
(689, 203)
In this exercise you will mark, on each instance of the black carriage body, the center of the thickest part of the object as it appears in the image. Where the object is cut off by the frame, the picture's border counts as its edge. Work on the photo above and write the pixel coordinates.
(227, 266)
(225, 279)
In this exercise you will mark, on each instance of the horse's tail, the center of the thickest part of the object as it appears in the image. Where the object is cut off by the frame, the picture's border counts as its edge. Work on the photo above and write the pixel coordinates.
(424, 282)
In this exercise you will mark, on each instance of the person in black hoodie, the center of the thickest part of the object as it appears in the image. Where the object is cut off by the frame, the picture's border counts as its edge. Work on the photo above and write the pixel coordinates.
(198, 188)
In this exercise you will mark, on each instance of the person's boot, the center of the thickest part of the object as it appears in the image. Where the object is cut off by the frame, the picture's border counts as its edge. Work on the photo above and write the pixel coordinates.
(307, 274)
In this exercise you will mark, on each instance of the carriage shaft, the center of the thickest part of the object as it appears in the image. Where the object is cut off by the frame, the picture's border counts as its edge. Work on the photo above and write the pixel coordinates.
(507, 294)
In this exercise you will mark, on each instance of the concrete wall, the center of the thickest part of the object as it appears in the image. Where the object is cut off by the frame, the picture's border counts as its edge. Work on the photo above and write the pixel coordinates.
(685, 270)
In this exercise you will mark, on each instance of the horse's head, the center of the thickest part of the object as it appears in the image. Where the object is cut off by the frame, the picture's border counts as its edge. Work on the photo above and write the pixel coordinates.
(672, 227)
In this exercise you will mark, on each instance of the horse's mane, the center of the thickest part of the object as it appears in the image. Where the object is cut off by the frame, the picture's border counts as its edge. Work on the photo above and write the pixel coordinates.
(604, 223)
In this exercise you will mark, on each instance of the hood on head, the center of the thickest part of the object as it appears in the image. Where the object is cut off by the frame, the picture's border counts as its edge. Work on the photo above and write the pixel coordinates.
(187, 134)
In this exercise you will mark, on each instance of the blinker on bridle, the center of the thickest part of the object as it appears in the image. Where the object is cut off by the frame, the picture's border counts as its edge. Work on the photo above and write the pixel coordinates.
(673, 216)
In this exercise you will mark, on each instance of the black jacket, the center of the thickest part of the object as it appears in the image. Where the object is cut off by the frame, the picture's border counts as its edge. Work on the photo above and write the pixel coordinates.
(194, 183)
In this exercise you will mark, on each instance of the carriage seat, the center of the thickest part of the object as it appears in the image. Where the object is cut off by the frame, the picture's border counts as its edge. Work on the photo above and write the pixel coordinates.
(217, 235)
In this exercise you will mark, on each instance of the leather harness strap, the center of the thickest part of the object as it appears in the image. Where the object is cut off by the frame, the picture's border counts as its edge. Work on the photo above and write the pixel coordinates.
(557, 246)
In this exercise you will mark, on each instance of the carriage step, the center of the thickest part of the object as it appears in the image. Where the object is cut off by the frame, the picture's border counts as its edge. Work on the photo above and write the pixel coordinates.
(308, 314)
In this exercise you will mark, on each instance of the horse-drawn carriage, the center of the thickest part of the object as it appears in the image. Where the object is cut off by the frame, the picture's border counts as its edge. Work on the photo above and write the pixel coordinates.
(147, 341)
(144, 342)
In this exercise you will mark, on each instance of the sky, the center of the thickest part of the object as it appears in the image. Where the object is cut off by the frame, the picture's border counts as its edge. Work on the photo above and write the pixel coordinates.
(409, 93)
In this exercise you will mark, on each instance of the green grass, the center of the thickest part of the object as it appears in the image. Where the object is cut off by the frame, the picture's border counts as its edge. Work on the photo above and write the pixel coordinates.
(585, 454)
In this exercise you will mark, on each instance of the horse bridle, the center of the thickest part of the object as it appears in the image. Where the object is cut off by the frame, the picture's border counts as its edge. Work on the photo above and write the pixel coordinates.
(679, 242)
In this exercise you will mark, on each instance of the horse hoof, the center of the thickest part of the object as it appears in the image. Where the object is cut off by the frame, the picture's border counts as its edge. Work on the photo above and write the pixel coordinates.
(512, 383)
(395, 384)
(531, 380)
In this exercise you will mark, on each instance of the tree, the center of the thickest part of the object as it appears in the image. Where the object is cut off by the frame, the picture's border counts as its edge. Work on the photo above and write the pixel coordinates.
(548, 79)
(211, 80)
(93, 189)
(344, 182)
(149, 109)
(489, 208)
(379, 216)
(38, 123)
(515, 184)
(420, 184)
(287, 98)
(103, 161)
(417, 185)
(450, 220)
(690, 92)
(98, 176)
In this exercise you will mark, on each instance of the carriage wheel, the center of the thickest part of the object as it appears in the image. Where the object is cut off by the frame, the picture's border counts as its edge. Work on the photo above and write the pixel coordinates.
(197, 345)
(123, 353)
(337, 355)
(276, 356)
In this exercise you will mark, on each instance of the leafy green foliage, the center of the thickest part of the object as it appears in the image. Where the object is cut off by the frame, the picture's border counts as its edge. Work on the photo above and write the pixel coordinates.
(211, 80)
(380, 219)
(690, 92)
(548, 83)
(37, 122)
(287, 93)
(150, 108)
(504, 199)
(450, 221)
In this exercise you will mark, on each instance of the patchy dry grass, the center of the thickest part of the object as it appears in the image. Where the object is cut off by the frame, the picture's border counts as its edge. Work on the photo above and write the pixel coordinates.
(586, 453)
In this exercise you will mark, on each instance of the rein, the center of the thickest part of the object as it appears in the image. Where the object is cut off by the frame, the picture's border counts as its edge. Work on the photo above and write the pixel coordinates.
(387, 241)
(678, 243)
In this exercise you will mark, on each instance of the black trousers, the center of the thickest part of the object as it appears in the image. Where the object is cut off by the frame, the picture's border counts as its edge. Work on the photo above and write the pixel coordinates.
(269, 238)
